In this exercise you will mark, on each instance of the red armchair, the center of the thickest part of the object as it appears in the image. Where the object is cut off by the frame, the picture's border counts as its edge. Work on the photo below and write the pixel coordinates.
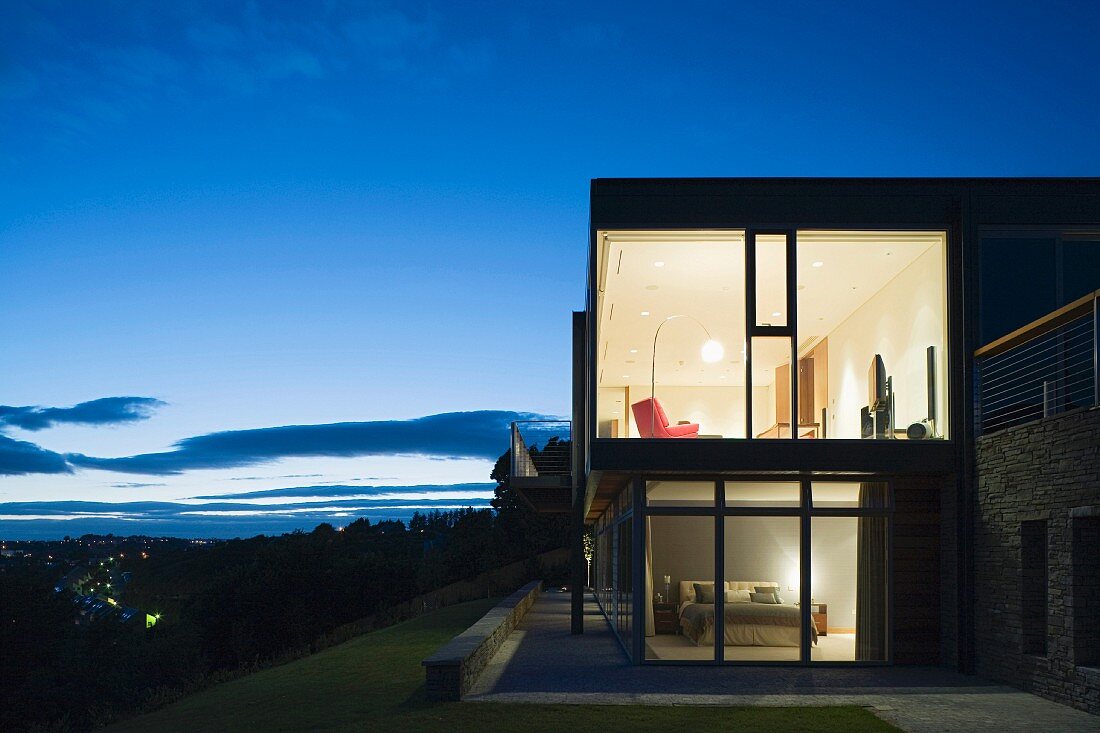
(649, 412)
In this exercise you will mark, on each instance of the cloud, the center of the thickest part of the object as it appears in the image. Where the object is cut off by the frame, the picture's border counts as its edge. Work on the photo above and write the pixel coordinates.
(268, 478)
(479, 434)
(18, 457)
(104, 411)
(133, 485)
(339, 490)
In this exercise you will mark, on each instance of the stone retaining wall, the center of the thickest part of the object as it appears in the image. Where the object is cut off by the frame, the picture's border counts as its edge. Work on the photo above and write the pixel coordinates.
(1036, 481)
(452, 670)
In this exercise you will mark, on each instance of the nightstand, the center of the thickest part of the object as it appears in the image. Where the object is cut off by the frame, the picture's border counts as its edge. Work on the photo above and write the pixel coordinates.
(820, 614)
(665, 620)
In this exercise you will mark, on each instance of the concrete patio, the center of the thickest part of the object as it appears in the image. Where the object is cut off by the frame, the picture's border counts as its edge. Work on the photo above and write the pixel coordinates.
(542, 662)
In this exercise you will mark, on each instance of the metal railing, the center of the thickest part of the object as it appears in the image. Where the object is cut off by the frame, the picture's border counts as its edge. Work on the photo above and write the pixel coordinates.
(541, 448)
(1047, 367)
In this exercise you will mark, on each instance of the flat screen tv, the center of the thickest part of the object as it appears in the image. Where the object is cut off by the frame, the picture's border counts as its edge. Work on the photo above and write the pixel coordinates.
(876, 384)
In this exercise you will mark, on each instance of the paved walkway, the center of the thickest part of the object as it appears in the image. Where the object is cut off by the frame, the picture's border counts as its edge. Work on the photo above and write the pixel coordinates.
(542, 662)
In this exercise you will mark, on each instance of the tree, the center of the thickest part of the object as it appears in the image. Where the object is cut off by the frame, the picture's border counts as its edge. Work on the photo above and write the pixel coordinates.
(523, 531)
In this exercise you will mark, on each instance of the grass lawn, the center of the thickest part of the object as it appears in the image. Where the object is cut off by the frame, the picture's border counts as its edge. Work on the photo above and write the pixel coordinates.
(375, 683)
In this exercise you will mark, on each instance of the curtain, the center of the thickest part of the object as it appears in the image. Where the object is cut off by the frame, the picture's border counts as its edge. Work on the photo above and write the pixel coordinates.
(871, 548)
(650, 628)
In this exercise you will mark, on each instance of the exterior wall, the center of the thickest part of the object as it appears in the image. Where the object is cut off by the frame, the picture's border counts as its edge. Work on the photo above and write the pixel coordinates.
(1040, 471)
(917, 578)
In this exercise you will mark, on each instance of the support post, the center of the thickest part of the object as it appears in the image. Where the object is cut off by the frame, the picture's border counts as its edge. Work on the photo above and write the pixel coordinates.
(577, 562)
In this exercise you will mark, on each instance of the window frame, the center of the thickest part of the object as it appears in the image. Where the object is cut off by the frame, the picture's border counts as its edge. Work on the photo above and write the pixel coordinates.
(719, 511)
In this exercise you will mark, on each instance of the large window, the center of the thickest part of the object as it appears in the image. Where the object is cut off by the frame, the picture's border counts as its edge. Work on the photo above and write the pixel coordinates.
(766, 571)
(1026, 274)
(681, 314)
(679, 568)
(671, 325)
(762, 616)
(849, 543)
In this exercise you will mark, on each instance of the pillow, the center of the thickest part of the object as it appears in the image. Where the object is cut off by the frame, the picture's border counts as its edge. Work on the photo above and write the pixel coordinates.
(704, 592)
(766, 589)
(738, 596)
(764, 598)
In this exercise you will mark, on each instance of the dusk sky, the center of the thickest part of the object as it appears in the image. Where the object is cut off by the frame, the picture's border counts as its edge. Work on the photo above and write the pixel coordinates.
(369, 219)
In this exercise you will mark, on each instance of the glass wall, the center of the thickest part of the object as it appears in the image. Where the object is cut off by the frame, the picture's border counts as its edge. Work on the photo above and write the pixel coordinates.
(848, 571)
(614, 565)
(1027, 274)
(866, 334)
(679, 567)
(670, 310)
(872, 333)
(803, 571)
(763, 620)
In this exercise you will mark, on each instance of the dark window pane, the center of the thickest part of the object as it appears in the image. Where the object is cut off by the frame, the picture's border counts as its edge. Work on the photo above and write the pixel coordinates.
(1018, 283)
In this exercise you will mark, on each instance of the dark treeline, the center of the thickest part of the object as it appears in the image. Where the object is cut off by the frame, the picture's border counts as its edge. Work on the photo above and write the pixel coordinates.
(237, 605)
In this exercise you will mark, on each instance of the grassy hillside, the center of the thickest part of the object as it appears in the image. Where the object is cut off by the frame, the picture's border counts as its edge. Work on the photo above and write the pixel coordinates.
(375, 682)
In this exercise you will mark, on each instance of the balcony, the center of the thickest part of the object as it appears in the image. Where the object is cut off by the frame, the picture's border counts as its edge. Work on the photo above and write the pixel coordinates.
(541, 466)
(1047, 367)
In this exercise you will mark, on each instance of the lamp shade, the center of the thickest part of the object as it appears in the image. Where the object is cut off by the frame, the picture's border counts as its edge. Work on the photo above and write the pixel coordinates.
(712, 351)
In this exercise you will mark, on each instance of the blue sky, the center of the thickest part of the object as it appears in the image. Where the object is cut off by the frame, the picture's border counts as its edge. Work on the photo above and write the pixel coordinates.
(304, 214)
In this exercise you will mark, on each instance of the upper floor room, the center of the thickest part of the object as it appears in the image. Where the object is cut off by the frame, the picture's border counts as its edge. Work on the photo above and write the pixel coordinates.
(817, 309)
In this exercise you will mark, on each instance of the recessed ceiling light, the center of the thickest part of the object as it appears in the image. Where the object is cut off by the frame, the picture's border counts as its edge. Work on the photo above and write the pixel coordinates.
(721, 376)
(776, 314)
(659, 263)
(889, 253)
(631, 361)
(650, 287)
(645, 313)
(818, 263)
(633, 351)
(626, 376)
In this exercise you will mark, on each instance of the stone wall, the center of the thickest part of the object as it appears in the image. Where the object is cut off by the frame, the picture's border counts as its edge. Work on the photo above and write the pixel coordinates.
(452, 670)
(1046, 472)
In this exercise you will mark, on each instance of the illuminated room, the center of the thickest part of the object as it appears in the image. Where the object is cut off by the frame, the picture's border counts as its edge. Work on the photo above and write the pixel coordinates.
(672, 317)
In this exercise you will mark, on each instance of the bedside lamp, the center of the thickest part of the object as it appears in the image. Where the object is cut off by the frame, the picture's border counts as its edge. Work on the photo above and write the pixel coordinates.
(668, 581)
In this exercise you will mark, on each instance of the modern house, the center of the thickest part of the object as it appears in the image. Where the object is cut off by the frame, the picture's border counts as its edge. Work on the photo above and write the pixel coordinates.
(839, 422)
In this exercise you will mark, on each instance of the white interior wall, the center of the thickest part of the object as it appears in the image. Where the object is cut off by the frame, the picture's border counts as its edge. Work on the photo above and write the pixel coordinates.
(611, 404)
(833, 567)
(900, 322)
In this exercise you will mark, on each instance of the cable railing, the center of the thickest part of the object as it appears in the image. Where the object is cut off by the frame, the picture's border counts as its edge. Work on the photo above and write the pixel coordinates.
(1047, 367)
(541, 448)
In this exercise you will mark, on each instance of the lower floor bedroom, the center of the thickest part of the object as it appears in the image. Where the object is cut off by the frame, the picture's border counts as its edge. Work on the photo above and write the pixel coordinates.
(750, 571)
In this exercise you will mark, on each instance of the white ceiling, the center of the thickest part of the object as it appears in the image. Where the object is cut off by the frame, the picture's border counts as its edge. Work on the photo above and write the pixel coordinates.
(702, 276)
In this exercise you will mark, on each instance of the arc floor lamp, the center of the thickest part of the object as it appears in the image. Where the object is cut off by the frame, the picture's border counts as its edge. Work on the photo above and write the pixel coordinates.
(711, 352)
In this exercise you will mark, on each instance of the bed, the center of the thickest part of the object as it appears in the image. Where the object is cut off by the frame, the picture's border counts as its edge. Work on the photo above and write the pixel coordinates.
(746, 624)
